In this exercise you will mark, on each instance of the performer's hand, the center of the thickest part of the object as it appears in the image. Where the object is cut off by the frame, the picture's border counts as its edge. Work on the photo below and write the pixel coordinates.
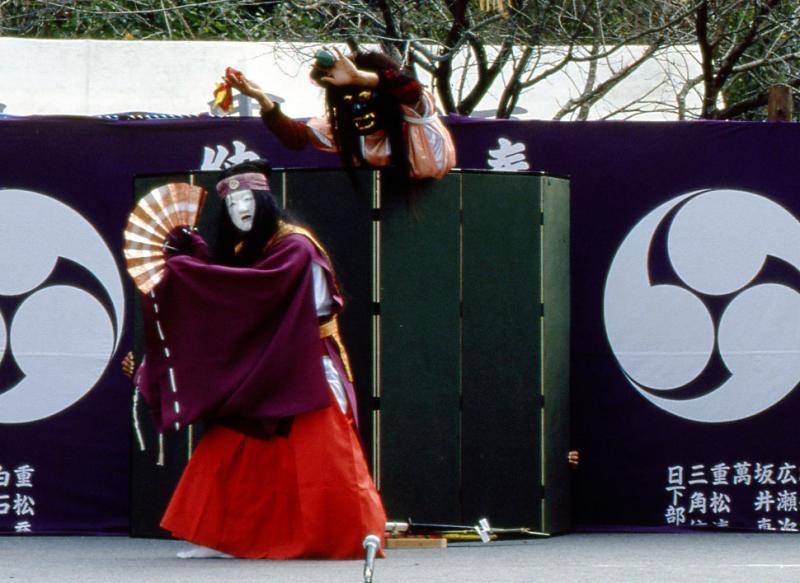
(129, 365)
(179, 242)
(245, 86)
(344, 72)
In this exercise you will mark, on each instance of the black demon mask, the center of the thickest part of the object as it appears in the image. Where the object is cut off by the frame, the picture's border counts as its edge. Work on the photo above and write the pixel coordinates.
(362, 105)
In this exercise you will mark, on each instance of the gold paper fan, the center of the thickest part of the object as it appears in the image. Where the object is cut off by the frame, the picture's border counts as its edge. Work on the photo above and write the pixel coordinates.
(154, 216)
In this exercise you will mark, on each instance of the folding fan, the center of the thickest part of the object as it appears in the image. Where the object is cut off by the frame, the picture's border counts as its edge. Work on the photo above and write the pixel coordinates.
(156, 214)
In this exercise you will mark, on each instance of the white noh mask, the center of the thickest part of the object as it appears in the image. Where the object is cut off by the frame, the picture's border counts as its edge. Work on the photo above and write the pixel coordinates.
(242, 209)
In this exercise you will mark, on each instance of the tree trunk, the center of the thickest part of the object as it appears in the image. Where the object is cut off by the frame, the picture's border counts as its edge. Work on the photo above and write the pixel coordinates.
(779, 107)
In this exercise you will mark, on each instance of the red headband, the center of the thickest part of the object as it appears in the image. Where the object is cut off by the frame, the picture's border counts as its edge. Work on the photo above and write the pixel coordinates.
(247, 181)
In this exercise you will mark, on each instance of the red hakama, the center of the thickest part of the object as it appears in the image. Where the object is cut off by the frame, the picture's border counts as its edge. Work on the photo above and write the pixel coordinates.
(308, 495)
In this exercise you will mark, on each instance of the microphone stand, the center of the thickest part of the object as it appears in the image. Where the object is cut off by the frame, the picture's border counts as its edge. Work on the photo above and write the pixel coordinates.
(372, 545)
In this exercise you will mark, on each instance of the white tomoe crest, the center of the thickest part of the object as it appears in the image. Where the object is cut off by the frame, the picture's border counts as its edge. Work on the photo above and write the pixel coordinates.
(61, 336)
(663, 335)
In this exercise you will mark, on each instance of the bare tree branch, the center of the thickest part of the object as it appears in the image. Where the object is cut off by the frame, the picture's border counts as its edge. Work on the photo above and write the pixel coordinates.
(743, 45)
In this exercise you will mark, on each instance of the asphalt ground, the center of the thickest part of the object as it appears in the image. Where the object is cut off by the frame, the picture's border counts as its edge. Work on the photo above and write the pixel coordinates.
(640, 558)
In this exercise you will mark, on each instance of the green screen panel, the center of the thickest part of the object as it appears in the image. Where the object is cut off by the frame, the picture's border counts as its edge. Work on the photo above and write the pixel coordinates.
(419, 353)
(340, 214)
(501, 422)
(555, 370)
(152, 483)
(207, 225)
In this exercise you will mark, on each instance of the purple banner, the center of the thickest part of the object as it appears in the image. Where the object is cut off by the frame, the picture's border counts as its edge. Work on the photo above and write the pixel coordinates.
(684, 311)
(685, 333)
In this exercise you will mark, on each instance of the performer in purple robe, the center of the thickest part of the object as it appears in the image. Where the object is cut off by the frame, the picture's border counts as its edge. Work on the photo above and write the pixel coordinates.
(250, 345)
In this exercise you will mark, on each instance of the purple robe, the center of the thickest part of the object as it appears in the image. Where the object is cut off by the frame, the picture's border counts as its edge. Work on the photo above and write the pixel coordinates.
(235, 345)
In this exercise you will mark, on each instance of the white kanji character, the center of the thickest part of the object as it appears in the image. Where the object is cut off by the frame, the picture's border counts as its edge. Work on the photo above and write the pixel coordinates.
(241, 104)
(508, 156)
(720, 503)
(787, 525)
(677, 493)
(220, 157)
(23, 526)
(24, 474)
(764, 501)
(5, 477)
(698, 475)
(240, 154)
(675, 475)
(763, 473)
(765, 524)
(24, 505)
(787, 501)
(214, 158)
(786, 474)
(742, 473)
(675, 515)
(720, 474)
(697, 502)
(4, 506)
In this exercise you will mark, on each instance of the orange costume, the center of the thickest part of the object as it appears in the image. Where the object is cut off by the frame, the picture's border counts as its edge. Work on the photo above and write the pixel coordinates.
(429, 146)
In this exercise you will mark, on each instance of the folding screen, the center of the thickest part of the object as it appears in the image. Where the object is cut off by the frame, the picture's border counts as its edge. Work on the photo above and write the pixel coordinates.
(457, 324)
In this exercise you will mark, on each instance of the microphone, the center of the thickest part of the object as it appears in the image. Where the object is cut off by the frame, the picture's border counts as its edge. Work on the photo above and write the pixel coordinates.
(372, 545)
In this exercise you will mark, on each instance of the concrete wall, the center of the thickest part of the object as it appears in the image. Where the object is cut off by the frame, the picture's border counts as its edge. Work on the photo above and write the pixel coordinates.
(91, 77)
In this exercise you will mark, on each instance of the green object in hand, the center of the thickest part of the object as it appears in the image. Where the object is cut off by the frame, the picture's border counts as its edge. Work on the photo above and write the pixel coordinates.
(324, 59)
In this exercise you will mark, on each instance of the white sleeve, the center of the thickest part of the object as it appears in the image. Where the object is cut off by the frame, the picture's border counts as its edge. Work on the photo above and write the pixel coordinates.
(322, 295)
(324, 304)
